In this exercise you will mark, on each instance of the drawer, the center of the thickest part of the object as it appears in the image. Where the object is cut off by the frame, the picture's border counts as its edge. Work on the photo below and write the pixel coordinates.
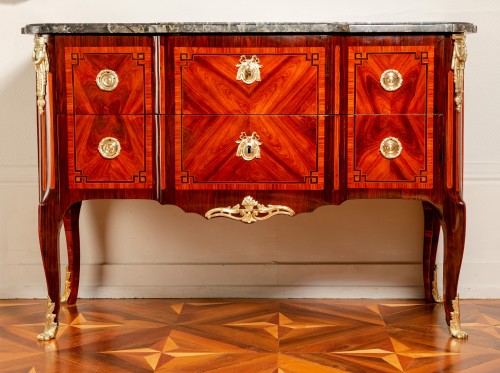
(249, 152)
(108, 80)
(390, 151)
(391, 80)
(283, 80)
(109, 151)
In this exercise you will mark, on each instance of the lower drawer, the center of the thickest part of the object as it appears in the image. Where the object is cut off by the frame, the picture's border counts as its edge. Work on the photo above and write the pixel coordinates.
(390, 151)
(249, 152)
(110, 151)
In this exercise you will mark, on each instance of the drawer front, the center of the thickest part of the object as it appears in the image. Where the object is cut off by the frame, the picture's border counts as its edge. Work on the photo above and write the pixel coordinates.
(390, 151)
(108, 80)
(225, 80)
(110, 151)
(391, 80)
(212, 152)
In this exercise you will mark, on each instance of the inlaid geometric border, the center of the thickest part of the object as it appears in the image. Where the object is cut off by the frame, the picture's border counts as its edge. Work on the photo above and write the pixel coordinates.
(314, 181)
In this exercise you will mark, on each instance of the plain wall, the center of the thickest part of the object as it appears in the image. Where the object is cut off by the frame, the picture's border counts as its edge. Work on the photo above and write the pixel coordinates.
(142, 249)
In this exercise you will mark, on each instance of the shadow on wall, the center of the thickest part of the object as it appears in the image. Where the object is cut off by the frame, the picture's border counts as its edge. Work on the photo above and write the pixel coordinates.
(13, 2)
(145, 233)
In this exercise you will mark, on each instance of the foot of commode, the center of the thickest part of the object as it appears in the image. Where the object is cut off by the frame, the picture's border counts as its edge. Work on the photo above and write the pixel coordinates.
(51, 326)
(455, 327)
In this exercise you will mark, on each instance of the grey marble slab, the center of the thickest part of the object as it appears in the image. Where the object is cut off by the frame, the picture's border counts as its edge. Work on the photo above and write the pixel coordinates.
(230, 28)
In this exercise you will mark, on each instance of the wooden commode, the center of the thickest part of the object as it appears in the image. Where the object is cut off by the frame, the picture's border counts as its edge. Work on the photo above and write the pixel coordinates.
(250, 120)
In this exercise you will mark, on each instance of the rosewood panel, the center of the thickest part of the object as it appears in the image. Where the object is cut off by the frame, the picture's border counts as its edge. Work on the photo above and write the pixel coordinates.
(291, 81)
(132, 67)
(281, 108)
(131, 58)
(88, 169)
(368, 168)
(415, 64)
(291, 152)
(300, 65)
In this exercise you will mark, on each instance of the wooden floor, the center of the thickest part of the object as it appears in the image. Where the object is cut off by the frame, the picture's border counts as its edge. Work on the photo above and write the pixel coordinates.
(278, 336)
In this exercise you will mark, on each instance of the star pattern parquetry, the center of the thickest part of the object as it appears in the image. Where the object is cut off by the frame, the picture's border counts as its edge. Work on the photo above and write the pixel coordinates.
(250, 336)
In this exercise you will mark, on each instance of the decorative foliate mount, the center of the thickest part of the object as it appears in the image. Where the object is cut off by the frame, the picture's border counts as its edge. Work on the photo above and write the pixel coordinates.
(67, 286)
(458, 67)
(50, 327)
(252, 211)
(435, 290)
(248, 69)
(455, 327)
(41, 63)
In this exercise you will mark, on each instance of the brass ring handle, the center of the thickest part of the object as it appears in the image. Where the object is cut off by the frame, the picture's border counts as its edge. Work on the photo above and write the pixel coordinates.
(107, 80)
(249, 146)
(248, 69)
(391, 80)
(391, 147)
(109, 147)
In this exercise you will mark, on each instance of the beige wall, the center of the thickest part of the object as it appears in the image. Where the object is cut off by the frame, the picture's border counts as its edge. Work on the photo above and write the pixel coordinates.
(142, 249)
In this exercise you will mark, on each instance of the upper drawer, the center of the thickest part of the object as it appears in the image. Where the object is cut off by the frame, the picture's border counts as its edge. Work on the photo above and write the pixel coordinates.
(108, 80)
(391, 80)
(281, 80)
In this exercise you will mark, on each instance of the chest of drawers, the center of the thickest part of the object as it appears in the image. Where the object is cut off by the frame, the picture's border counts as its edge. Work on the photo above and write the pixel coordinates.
(247, 121)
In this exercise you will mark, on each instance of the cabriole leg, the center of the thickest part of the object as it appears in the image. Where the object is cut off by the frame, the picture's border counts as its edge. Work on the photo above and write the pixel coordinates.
(48, 230)
(72, 231)
(432, 227)
(454, 240)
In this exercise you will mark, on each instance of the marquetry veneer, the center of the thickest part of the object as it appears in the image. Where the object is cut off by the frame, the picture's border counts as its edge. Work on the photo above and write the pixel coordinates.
(208, 116)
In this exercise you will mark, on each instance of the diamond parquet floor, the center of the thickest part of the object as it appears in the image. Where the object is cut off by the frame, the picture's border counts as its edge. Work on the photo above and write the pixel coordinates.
(275, 336)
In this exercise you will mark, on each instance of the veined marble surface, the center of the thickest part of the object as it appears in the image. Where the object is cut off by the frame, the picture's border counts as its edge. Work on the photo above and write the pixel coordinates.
(214, 27)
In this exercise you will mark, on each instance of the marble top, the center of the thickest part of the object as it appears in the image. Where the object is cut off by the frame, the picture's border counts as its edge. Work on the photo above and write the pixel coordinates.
(272, 27)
